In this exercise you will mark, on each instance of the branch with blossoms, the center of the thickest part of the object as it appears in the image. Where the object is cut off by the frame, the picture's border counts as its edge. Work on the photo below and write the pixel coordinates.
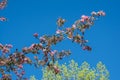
(14, 61)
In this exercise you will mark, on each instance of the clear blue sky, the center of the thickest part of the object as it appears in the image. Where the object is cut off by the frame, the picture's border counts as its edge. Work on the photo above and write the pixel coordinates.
(26, 17)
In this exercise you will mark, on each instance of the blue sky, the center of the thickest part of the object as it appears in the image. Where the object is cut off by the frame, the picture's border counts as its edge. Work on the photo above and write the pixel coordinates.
(26, 17)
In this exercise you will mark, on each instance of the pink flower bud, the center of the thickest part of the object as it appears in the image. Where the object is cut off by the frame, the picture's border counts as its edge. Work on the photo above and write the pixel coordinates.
(58, 32)
(35, 35)
(87, 48)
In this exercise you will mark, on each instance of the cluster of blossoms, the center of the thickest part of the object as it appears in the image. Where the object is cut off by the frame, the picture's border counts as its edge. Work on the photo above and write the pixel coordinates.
(5, 48)
(2, 5)
(60, 22)
(48, 54)
(77, 30)
(15, 61)
(3, 19)
(74, 33)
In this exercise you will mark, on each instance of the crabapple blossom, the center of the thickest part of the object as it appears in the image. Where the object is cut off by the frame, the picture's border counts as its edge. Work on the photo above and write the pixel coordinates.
(59, 31)
(82, 20)
(101, 13)
(3, 19)
(56, 69)
(60, 22)
(35, 35)
(87, 48)
(3, 4)
(74, 26)
(93, 13)
(5, 50)
(42, 40)
(84, 17)
(9, 45)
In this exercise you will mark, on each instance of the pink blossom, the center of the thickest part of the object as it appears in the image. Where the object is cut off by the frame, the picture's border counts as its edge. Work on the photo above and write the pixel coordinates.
(93, 13)
(9, 45)
(5, 50)
(32, 46)
(87, 48)
(74, 26)
(2, 63)
(25, 49)
(25, 59)
(52, 53)
(58, 32)
(44, 50)
(42, 38)
(56, 69)
(3, 4)
(85, 17)
(60, 21)
(82, 20)
(36, 35)
(101, 13)
(40, 45)
(2, 19)
(70, 35)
